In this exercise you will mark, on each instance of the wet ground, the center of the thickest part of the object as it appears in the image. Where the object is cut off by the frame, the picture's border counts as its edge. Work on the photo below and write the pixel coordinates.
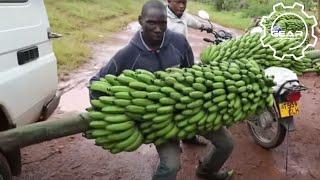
(75, 157)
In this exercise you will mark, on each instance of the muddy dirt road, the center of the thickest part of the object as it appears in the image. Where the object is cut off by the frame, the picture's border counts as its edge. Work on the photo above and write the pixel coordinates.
(76, 158)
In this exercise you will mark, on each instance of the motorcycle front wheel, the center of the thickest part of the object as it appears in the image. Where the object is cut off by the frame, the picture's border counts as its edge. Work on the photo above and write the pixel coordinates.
(266, 130)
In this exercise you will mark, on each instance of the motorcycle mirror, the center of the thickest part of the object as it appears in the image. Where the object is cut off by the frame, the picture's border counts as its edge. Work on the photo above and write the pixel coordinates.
(257, 29)
(222, 33)
(203, 14)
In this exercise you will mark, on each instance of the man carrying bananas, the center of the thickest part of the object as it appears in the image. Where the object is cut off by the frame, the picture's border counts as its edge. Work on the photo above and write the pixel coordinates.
(155, 48)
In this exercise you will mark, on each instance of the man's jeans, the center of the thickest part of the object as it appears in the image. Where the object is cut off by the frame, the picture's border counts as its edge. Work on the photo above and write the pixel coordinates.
(169, 154)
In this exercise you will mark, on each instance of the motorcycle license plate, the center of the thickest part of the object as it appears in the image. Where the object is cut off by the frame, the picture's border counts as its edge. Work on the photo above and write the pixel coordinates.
(289, 109)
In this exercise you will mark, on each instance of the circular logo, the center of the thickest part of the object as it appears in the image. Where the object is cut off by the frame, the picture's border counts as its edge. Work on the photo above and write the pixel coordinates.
(290, 29)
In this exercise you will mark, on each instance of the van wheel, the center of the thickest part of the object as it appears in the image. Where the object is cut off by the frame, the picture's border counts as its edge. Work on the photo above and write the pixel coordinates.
(5, 172)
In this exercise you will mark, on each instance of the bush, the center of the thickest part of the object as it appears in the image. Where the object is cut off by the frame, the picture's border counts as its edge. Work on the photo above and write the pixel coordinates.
(231, 5)
(219, 4)
(256, 9)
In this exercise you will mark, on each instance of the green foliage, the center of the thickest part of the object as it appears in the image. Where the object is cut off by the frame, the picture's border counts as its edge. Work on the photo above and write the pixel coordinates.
(231, 19)
(84, 21)
(238, 13)
(231, 5)
(253, 8)
(219, 4)
(256, 9)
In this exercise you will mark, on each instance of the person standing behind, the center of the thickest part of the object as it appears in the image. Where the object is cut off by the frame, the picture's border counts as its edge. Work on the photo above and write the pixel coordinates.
(209, 167)
(179, 20)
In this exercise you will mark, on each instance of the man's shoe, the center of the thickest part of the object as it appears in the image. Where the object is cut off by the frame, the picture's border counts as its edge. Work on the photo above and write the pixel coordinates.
(223, 175)
(197, 140)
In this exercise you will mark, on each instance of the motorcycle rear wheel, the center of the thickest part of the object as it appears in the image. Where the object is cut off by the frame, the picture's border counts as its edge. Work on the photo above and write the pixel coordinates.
(258, 133)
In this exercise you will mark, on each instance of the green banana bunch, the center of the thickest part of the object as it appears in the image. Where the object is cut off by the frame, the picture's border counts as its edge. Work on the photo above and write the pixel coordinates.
(142, 107)
(250, 47)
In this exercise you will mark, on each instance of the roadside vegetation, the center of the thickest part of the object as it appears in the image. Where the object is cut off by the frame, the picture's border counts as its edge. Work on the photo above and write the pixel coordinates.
(239, 14)
(84, 21)
(231, 19)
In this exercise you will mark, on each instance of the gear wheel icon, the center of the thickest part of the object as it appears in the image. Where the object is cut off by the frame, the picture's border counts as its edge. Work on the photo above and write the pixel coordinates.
(279, 11)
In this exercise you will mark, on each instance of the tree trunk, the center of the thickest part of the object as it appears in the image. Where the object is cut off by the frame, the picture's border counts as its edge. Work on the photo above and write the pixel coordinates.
(43, 131)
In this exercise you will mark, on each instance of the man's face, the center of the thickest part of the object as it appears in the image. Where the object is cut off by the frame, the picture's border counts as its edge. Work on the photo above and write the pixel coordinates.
(178, 6)
(154, 24)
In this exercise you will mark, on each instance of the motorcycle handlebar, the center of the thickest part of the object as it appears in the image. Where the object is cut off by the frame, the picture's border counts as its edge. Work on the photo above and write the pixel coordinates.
(207, 40)
(221, 34)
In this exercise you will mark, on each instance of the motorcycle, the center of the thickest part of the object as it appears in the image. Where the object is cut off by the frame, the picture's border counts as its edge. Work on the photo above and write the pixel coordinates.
(219, 36)
(269, 128)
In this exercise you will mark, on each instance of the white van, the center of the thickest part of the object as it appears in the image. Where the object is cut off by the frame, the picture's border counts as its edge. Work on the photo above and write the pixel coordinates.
(28, 70)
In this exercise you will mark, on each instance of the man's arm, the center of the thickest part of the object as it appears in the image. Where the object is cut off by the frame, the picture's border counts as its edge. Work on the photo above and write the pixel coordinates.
(196, 24)
(193, 22)
(110, 68)
(188, 59)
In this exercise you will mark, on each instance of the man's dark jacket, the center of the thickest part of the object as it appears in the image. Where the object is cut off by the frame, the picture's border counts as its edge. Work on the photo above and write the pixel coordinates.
(175, 51)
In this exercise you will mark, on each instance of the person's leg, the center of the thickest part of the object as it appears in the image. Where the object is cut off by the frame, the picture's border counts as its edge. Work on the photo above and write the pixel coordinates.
(169, 154)
(214, 160)
(197, 140)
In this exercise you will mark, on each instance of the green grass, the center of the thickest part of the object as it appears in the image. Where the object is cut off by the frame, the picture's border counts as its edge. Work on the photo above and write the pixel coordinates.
(84, 21)
(241, 18)
(225, 18)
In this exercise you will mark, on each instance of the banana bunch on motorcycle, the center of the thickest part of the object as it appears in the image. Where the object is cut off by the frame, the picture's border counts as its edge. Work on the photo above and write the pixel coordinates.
(270, 127)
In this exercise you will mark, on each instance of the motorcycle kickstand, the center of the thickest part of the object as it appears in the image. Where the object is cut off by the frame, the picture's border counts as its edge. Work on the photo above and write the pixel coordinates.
(287, 151)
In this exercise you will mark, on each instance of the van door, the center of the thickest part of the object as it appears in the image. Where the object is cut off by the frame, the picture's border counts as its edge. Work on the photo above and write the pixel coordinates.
(28, 67)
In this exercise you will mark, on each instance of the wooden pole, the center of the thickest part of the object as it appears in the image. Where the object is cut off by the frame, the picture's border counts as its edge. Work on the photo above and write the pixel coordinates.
(43, 131)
